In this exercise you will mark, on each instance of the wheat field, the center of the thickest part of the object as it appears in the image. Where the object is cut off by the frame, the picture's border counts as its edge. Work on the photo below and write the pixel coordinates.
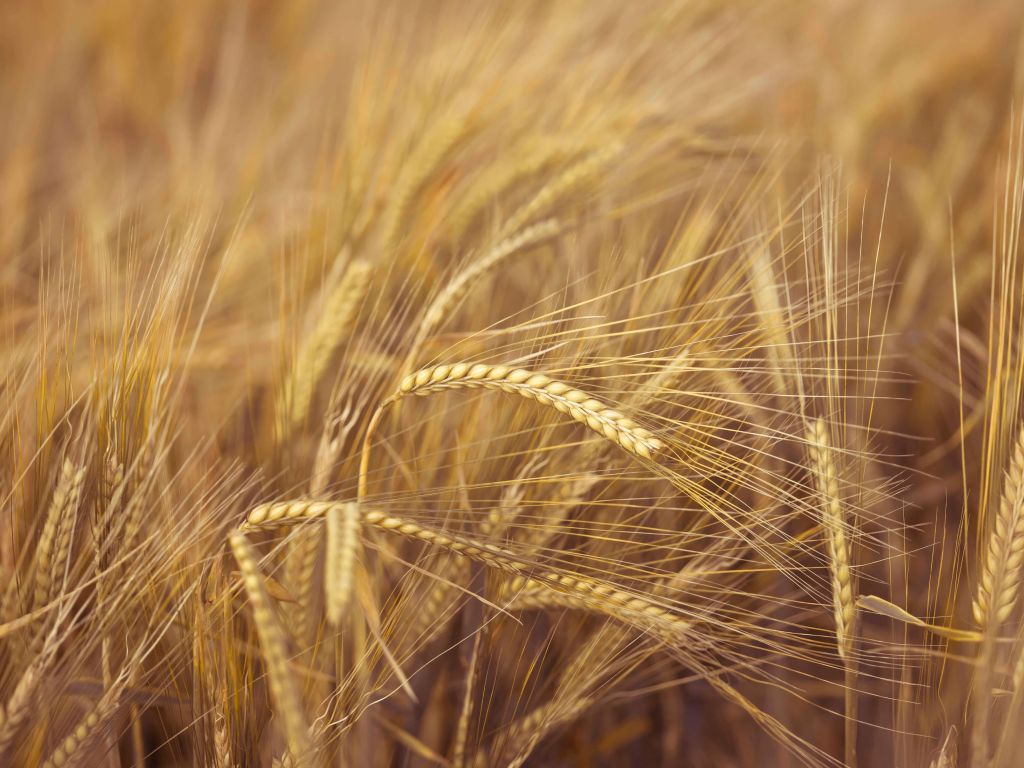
(579, 384)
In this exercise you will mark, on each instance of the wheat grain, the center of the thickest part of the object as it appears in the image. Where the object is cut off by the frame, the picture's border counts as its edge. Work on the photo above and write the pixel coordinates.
(999, 580)
(275, 652)
(342, 545)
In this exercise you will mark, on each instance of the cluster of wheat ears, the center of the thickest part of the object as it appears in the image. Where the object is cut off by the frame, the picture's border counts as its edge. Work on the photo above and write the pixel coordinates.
(468, 385)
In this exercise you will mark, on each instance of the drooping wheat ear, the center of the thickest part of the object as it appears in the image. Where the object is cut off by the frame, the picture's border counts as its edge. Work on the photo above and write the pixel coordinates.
(55, 538)
(275, 651)
(571, 591)
(561, 186)
(440, 139)
(342, 546)
(824, 469)
(446, 301)
(1000, 577)
(543, 389)
(596, 595)
(540, 387)
(333, 326)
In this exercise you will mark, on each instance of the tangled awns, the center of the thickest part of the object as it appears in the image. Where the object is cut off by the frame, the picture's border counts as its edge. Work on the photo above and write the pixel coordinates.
(412, 383)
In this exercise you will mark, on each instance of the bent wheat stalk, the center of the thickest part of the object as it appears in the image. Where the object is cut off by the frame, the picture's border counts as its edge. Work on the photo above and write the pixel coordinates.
(539, 387)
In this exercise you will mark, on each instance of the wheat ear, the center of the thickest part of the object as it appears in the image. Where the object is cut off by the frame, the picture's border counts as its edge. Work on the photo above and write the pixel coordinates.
(55, 538)
(844, 607)
(446, 301)
(597, 595)
(432, 611)
(275, 652)
(561, 186)
(440, 139)
(835, 531)
(499, 179)
(342, 545)
(334, 324)
(521, 737)
(18, 708)
(72, 750)
(1004, 556)
(539, 387)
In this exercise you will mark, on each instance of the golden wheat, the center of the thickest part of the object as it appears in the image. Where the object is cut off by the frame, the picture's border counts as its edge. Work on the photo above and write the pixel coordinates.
(275, 652)
(835, 530)
(333, 324)
(999, 578)
(342, 548)
(55, 538)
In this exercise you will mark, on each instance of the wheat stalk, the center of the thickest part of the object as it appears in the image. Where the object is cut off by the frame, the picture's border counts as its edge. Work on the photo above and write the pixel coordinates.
(275, 652)
(999, 581)
(342, 544)
(466, 713)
